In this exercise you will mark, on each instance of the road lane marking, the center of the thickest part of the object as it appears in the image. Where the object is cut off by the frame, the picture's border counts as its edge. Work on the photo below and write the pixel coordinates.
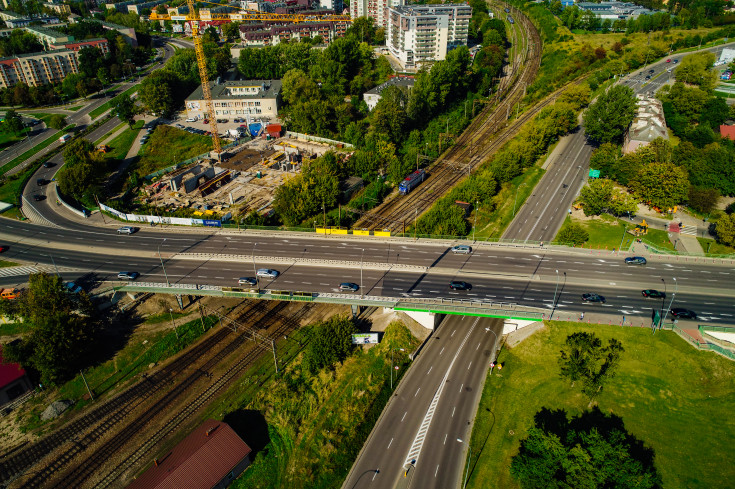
(455, 407)
(478, 347)
(427, 373)
(445, 438)
(454, 331)
(391, 442)
(375, 474)
(468, 367)
(436, 471)
(417, 392)
(441, 351)
(460, 388)
(404, 415)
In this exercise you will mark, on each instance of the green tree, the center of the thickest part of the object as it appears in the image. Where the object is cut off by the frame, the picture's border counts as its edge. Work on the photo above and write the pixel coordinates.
(592, 450)
(595, 197)
(13, 122)
(123, 106)
(703, 199)
(158, 91)
(82, 170)
(725, 229)
(662, 184)
(57, 121)
(573, 233)
(695, 69)
(584, 358)
(609, 116)
(61, 329)
(331, 343)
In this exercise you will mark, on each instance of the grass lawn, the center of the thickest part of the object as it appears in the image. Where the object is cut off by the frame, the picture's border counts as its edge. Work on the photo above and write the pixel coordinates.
(605, 232)
(113, 131)
(104, 107)
(4, 264)
(676, 399)
(121, 144)
(12, 329)
(168, 146)
(75, 108)
(8, 139)
(712, 247)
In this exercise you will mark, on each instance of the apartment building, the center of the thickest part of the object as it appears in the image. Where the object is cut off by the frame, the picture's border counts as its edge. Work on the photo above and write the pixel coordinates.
(15, 21)
(270, 33)
(237, 98)
(49, 37)
(375, 9)
(59, 8)
(37, 69)
(420, 34)
(99, 43)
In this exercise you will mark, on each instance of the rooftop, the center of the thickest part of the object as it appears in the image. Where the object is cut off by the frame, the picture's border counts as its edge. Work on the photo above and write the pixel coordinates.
(223, 90)
(398, 81)
(200, 460)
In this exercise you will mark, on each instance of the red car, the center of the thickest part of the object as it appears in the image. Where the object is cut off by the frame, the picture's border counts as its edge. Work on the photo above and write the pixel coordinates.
(668, 60)
(3, 248)
(206, 121)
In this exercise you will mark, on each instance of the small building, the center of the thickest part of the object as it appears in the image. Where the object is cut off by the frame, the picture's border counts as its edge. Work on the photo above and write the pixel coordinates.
(727, 132)
(13, 380)
(211, 457)
(373, 95)
(260, 98)
(648, 124)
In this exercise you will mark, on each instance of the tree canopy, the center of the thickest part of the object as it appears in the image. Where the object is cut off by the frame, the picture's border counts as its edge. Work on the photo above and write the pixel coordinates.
(585, 359)
(331, 343)
(610, 115)
(592, 450)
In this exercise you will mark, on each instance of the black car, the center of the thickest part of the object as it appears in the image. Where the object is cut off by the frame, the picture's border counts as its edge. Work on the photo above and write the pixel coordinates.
(653, 294)
(459, 285)
(593, 298)
(48, 164)
(41, 181)
(635, 260)
(681, 313)
(39, 198)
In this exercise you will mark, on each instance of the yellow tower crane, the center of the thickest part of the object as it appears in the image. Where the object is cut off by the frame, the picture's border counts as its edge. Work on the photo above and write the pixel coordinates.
(202, 64)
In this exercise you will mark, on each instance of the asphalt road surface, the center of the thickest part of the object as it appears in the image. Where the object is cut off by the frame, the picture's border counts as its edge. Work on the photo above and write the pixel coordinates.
(430, 410)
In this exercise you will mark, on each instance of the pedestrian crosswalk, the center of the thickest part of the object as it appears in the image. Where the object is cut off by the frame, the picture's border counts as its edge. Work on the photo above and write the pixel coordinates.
(17, 271)
(688, 230)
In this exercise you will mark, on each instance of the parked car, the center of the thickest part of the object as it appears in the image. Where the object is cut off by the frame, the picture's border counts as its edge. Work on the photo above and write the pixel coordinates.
(681, 313)
(635, 260)
(593, 298)
(267, 273)
(459, 285)
(191, 119)
(128, 275)
(247, 281)
(668, 60)
(206, 121)
(653, 294)
(126, 230)
(462, 249)
(73, 288)
(349, 287)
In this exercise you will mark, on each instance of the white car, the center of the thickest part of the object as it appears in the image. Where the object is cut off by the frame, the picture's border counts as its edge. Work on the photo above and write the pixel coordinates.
(191, 119)
(267, 273)
(462, 249)
(126, 230)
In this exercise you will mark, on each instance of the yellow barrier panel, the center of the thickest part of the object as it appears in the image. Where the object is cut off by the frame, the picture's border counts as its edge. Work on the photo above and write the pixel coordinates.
(322, 230)
(382, 233)
(340, 231)
(358, 232)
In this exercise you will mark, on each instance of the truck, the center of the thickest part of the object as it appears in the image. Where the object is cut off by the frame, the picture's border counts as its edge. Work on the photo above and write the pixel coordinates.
(411, 181)
(234, 133)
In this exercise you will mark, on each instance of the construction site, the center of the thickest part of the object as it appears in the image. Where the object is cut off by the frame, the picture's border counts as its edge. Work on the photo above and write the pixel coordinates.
(244, 180)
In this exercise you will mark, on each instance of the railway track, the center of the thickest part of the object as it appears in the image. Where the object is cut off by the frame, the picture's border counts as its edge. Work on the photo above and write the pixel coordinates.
(75, 437)
(114, 447)
(475, 143)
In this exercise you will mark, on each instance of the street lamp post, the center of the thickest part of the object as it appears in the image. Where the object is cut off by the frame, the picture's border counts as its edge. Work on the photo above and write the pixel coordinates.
(362, 292)
(516, 198)
(391, 365)
(171, 315)
(255, 272)
(467, 472)
(474, 226)
(625, 227)
(553, 303)
(161, 258)
(666, 314)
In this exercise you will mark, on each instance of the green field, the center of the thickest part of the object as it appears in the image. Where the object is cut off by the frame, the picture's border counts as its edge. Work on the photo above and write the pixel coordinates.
(121, 144)
(607, 231)
(712, 247)
(168, 146)
(676, 399)
(4, 264)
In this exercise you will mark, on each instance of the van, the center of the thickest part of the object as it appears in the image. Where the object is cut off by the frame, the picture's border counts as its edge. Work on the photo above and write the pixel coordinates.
(9, 294)
(65, 138)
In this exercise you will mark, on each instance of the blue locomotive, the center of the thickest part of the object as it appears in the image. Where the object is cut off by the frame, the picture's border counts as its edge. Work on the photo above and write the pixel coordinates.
(411, 181)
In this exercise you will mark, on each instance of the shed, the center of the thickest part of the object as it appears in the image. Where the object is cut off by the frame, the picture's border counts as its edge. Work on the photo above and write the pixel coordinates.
(211, 457)
(13, 380)
(274, 130)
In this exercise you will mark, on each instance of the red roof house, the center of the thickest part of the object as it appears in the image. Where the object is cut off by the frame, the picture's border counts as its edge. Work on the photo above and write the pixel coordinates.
(212, 456)
(13, 380)
(727, 132)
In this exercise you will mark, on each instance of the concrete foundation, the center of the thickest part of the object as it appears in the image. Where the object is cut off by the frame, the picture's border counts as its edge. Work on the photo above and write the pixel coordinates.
(428, 320)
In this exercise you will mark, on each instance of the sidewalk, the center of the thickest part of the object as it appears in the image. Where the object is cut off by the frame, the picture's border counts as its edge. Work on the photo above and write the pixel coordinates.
(684, 241)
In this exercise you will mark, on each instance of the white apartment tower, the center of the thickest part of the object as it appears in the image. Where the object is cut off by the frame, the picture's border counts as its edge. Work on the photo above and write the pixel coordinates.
(375, 9)
(418, 34)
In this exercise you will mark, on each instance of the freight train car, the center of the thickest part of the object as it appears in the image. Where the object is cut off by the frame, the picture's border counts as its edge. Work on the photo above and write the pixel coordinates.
(410, 182)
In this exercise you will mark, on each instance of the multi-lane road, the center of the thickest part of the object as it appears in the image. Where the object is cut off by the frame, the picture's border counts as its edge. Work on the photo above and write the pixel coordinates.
(435, 404)
(524, 276)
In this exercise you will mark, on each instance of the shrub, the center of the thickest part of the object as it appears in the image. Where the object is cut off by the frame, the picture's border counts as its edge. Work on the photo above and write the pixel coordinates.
(573, 233)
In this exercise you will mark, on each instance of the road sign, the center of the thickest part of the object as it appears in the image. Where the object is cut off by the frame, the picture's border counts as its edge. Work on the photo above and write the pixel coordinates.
(594, 174)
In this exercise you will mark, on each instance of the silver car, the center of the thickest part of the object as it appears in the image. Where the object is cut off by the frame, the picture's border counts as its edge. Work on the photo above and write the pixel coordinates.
(126, 230)
(462, 249)
(267, 273)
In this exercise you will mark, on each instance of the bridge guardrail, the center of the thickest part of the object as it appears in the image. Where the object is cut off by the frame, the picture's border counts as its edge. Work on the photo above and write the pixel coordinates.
(301, 261)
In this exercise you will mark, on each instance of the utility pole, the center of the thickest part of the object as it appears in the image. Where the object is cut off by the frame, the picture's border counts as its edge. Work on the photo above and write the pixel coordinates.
(87, 385)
